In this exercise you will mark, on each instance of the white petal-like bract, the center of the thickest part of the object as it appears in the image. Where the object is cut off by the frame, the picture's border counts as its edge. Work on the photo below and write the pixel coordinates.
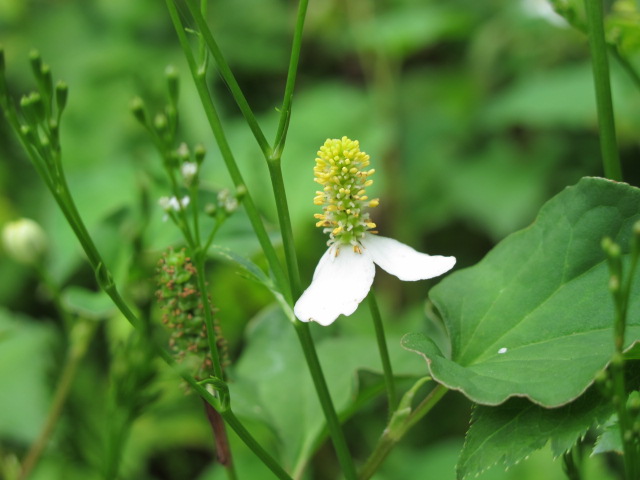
(403, 261)
(339, 284)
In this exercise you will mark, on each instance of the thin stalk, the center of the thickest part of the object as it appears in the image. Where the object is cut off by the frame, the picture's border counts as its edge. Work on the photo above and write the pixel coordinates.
(284, 219)
(208, 316)
(333, 423)
(390, 437)
(621, 298)
(225, 150)
(302, 328)
(600, 64)
(74, 357)
(228, 77)
(285, 111)
(286, 230)
(229, 418)
(389, 381)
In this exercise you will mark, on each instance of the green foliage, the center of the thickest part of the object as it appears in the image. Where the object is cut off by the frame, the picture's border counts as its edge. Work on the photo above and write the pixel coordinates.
(271, 382)
(475, 113)
(538, 295)
(510, 432)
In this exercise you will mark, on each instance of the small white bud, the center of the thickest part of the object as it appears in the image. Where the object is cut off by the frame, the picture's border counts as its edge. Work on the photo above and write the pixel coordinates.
(24, 241)
(173, 203)
(189, 171)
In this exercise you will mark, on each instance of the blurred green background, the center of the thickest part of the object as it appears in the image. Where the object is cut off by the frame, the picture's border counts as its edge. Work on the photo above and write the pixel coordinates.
(474, 114)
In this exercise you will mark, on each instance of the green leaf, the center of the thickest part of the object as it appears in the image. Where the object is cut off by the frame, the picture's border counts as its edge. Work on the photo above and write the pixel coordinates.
(508, 433)
(609, 439)
(88, 304)
(272, 382)
(534, 318)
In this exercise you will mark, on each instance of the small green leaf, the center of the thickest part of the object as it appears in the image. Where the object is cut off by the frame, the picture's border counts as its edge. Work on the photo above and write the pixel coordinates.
(397, 426)
(609, 439)
(249, 269)
(88, 304)
(512, 431)
(534, 318)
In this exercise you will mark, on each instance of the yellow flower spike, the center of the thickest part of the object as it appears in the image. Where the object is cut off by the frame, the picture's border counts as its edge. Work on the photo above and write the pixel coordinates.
(341, 168)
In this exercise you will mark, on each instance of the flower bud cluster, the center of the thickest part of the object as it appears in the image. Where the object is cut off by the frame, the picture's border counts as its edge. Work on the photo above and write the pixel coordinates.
(341, 168)
(180, 299)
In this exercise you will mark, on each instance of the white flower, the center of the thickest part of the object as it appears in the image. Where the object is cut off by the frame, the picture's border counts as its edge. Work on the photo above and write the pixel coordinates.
(345, 272)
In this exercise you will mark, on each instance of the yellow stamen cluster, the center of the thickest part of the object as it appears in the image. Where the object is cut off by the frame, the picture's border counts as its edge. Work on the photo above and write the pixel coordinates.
(341, 168)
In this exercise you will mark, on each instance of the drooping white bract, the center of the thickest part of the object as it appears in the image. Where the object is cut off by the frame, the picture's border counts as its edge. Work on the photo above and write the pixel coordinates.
(345, 272)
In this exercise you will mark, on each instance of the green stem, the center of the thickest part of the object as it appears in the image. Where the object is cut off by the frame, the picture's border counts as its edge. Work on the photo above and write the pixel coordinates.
(75, 355)
(384, 353)
(622, 298)
(333, 423)
(228, 77)
(208, 315)
(225, 150)
(246, 437)
(391, 437)
(285, 111)
(230, 419)
(284, 219)
(571, 464)
(598, 47)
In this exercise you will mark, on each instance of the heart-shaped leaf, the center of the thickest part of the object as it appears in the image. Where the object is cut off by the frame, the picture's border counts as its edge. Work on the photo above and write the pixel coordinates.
(534, 318)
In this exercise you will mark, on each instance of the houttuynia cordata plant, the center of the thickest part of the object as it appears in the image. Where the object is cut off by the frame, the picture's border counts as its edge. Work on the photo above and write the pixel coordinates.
(195, 334)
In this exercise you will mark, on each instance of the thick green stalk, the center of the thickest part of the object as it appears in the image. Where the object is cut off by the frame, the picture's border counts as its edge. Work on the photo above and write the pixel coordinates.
(384, 353)
(600, 64)
(228, 77)
(285, 111)
(392, 436)
(302, 329)
(216, 128)
(286, 230)
(333, 423)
